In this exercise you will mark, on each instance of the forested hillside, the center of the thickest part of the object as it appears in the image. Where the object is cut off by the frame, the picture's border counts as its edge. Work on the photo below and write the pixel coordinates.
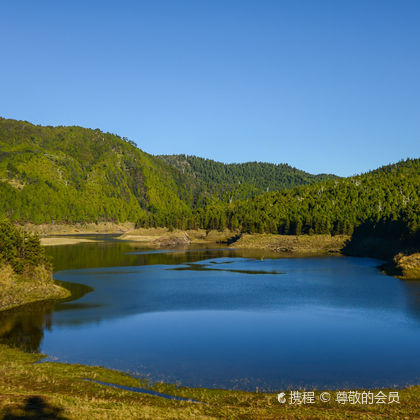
(25, 271)
(74, 174)
(385, 200)
(241, 180)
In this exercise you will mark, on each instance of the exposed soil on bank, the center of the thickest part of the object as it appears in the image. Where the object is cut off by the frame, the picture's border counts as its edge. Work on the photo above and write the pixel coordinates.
(405, 265)
(51, 229)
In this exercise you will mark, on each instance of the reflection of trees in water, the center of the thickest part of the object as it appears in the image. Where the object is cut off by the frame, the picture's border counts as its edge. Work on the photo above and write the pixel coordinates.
(412, 289)
(23, 328)
(117, 254)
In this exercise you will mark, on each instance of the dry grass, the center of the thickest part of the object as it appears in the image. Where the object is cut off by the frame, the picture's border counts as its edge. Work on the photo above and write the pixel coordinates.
(162, 237)
(302, 245)
(59, 390)
(29, 287)
(50, 229)
(52, 241)
(409, 265)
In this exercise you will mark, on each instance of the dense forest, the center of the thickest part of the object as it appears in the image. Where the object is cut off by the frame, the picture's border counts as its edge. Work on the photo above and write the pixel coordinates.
(70, 174)
(235, 181)
(20, 249)
(73, 174)
(335, 206)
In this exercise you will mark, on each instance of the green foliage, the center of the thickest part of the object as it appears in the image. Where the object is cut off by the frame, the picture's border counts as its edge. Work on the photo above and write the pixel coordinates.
(73, 174)
(19, 248)
(235, 181)
(334, 206)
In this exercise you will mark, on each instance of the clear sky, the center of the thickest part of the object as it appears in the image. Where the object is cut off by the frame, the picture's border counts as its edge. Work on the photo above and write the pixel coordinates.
(326, 86)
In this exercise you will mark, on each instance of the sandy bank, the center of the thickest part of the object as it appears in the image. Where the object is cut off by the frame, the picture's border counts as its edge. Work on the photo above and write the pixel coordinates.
(50, 241)
(163, 237)
(52, 229)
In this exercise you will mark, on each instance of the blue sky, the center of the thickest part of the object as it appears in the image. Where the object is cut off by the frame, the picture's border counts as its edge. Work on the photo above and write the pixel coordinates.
(326, 86)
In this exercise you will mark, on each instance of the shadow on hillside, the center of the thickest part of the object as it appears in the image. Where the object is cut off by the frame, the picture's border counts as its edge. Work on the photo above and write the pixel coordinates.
(381, 239)
(232, 239)
(35, 408)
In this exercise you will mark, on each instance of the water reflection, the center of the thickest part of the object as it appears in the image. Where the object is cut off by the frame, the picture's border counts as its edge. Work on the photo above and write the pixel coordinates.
(412, 297)
(226, 317)
(24, 327)
(118, 254)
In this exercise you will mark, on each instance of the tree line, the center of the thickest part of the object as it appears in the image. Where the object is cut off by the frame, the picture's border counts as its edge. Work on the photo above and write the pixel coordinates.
(20, 249)
(334, 206)
(72, 174)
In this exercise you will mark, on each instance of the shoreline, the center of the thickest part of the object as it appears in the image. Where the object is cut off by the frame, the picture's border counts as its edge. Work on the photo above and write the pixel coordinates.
(19, 293)
(16, 291)
(321, 244)
(75, 391)
(53, 229)
(56, 241)
(402, 264)
(37, 294)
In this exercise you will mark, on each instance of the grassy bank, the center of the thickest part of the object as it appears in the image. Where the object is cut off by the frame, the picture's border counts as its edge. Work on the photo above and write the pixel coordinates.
(405, 267)
(52, 241)
(409, 266)
(51, 229)
(301, 245)
(33, 285)
(25, 271)
(163, 237)
(60, 391)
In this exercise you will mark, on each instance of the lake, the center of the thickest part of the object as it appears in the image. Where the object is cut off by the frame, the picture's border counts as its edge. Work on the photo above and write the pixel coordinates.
(227, 318)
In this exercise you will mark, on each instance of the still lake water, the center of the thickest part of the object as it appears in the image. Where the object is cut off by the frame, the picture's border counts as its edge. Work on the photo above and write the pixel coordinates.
(227, 318)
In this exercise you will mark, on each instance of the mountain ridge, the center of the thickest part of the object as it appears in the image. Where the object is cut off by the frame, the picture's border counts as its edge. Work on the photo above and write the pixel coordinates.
(71, 173)
(260, 176)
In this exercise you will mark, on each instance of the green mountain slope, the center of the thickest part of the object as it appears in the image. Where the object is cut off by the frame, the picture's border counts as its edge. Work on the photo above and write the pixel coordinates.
(77, 174)
(74, 174)
(241, 180)
(388, 196)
